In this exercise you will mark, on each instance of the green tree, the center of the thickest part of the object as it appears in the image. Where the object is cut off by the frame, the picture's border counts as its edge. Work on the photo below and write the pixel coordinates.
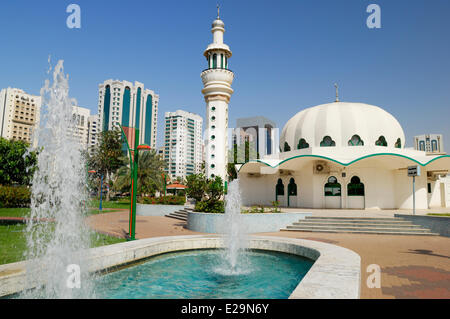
(196, 184)
(149, 179)
(107, 157)
(17, 164)
(214, 189)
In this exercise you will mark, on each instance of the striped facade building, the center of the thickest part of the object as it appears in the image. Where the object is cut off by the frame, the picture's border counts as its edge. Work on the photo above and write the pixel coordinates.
(130, 105)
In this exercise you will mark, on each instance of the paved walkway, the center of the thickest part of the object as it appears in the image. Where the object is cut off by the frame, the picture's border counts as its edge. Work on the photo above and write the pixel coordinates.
(411, 266)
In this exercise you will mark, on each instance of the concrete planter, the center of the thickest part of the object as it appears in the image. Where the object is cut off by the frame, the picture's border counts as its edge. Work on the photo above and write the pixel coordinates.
(250, 223)
(156, 210)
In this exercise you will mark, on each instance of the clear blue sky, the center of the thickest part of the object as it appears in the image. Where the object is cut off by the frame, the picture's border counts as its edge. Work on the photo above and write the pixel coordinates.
(286, 54)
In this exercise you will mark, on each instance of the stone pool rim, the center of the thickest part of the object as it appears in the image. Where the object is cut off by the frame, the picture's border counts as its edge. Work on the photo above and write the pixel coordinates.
(335, 274)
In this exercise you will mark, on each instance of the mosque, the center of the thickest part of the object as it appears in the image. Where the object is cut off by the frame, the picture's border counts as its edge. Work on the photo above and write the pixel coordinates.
(336, 155)
(345, 155)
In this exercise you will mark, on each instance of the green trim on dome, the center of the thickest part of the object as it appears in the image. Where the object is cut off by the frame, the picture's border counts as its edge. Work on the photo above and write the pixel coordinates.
(346, 164)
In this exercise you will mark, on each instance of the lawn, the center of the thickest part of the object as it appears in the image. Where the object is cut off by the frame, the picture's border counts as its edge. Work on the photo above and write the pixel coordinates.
(14, 212)
(13, 242)
(93, 205)
(439, 214)
(123, 203)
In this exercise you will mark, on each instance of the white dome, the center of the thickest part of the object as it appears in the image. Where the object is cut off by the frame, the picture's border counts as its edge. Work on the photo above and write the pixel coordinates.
(341, 121)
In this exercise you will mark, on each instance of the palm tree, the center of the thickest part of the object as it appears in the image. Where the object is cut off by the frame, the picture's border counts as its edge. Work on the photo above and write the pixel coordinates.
(149, 179)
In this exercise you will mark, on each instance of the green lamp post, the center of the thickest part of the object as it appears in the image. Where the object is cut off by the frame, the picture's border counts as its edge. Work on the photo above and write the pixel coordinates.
(134, 160)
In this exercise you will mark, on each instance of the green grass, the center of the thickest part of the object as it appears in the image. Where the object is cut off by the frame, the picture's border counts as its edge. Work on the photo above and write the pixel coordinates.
(13, 242)
(121, 203)
(439, 214)
(14, 212)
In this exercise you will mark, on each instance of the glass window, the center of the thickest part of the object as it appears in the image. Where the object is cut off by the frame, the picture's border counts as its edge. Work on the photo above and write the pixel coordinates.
(434, 145)
(279, 188)
(214, 61)
(422, 145)
(287, 148)
(381, 141)
(302, 144)
(355, 141)
(327, 141)
(332, 188)
(398, 144)
(355, 187)
(292, 188)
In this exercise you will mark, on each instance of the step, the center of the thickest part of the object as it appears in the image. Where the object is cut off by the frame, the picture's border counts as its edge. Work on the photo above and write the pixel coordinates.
(383, 232)
(354, 224)
(177, 217)
(354, 218)
(337, 229)
(178, 214)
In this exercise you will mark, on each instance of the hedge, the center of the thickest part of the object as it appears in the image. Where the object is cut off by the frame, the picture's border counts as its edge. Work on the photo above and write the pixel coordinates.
(14, 196)
(163, 200)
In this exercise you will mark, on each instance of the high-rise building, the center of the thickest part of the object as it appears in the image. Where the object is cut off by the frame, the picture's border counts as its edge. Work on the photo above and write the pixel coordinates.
(19, 115)
(183, 144)
(217, 80)
(258, 130)
(430, 143)
(81, 118)
(93, 131)
(132, 106)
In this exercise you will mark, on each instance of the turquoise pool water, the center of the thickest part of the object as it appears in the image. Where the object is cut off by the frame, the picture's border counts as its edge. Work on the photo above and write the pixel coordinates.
(203, 274)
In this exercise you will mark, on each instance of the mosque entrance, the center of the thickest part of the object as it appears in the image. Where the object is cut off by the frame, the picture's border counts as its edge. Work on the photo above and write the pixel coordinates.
(355, 194)
(292, 193)
(332, 192)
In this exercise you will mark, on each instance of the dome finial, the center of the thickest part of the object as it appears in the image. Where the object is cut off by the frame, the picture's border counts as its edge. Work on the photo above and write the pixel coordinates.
(337, 92)
(218, 11)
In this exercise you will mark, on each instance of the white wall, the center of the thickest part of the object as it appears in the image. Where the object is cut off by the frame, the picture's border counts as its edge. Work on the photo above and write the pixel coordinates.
(384, 189)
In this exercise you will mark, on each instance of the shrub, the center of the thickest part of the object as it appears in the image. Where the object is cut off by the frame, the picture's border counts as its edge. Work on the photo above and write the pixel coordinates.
(14, 196)
(163, 200)
(210, 206)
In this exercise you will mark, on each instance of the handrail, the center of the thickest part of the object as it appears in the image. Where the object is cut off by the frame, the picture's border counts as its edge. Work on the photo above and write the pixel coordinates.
(217, 69)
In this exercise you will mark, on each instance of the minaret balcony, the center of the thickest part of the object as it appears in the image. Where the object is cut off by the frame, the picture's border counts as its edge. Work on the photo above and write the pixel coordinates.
(217, 75)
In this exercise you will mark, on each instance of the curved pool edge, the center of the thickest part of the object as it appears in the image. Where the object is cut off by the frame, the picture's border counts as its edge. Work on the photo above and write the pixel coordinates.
(335, 273)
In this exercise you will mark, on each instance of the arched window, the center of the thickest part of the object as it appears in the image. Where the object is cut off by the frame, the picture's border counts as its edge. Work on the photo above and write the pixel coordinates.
(332, 187)
(434, 145)
(398, 144)
(355, 141)
(214, 61)
(302, 144)
(355, 187)
(422, 145)
(287, 148)
(327, 141)
(292, 188)
(381, 141)
(279, 188)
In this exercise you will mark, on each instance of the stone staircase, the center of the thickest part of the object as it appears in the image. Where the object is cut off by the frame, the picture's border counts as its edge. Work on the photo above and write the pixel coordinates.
(360, 225)
(180, 214)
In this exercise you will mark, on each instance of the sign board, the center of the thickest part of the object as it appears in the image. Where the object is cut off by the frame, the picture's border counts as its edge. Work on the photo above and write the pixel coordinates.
(414, 170)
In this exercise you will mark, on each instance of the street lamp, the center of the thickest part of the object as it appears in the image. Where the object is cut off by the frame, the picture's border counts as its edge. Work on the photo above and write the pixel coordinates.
(134, 159)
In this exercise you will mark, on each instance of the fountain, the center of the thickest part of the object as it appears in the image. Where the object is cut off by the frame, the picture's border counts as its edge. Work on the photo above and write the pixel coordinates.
(235, 237)
(57, 237)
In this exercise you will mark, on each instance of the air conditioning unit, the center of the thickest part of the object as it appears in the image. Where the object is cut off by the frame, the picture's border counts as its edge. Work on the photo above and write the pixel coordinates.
(321, 167)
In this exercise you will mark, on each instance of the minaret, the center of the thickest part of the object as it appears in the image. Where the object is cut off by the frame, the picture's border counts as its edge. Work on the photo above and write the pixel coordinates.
(217, 79)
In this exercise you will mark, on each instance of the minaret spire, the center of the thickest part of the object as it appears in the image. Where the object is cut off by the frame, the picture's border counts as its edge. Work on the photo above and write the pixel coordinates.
(337, 92)
(218, 11)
